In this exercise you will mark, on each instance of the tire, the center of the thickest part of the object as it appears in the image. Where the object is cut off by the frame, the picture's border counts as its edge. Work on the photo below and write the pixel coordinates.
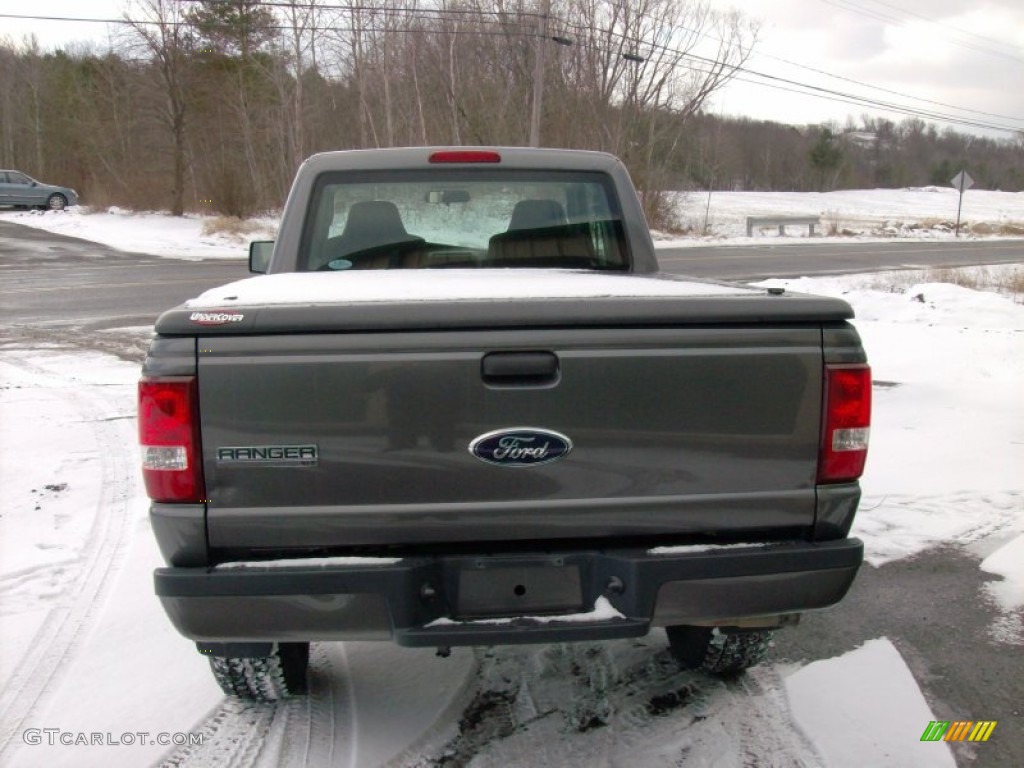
(57, 202)
(720, 652)
(271, 678)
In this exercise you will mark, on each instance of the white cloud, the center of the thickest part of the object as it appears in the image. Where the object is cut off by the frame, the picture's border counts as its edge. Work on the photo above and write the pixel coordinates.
(970, 57)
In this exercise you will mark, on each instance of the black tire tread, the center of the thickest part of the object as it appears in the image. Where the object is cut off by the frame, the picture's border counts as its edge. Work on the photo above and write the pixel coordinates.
(719, 652)
(278, 676)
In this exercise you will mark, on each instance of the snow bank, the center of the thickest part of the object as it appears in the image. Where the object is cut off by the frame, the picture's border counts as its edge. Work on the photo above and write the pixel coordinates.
(1008, 562)
(158, 234)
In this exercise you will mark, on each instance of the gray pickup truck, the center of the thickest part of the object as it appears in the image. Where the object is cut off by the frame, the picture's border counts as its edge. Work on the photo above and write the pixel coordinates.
(462, 407)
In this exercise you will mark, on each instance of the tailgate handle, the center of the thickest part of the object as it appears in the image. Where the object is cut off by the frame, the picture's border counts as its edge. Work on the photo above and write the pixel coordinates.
(520, 369)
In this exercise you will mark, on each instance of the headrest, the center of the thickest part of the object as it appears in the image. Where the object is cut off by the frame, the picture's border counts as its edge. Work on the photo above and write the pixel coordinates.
(374, 219)
(537, 214)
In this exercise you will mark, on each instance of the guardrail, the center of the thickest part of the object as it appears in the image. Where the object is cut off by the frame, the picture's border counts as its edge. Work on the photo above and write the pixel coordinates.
(782, 221)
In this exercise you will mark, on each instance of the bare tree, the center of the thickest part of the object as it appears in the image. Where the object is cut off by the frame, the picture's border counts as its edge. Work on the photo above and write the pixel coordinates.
(637, 61)
(303, 19)
(11, 109)
(161, 28)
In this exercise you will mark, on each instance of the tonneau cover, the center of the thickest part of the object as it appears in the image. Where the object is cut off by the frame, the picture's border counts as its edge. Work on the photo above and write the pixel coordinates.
(485, 298)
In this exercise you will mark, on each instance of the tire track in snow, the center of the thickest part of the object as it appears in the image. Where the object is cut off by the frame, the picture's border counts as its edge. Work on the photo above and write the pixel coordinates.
(600, 703)
(101, 557)
(768, 733)
(233, 736)
(316, 719)
(301, 732)
(25, 588)
(369, 704)
(617, 703)
(343, 705)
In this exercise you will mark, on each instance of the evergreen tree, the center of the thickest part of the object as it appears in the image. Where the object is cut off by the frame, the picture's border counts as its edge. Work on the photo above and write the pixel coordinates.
(233, 27)
(826, 158)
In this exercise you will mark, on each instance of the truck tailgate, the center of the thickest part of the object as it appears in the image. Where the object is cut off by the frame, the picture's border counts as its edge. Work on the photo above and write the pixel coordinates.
(346, 439)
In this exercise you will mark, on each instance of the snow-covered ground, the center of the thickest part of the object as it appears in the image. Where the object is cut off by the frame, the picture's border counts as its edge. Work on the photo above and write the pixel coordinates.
(946, 462)
(86, 650)
(190, 237)
(917, 213)
(914, 213)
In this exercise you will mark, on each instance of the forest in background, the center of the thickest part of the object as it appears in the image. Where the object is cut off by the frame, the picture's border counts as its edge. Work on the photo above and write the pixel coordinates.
(211, 105)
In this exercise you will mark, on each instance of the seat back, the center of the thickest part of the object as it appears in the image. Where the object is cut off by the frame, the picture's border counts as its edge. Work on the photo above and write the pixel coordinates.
(539, 233)
(371, 224)
(536, 214)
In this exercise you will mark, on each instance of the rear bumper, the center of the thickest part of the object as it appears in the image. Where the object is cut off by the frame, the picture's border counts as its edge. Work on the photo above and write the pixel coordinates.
(485, 600)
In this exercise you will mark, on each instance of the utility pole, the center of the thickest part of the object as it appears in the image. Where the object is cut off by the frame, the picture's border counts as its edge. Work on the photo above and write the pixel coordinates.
(538, 72)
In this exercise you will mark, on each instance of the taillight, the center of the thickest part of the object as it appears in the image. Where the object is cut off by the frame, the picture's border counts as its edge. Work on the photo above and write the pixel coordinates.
(846, 423)
(465, 156)
(169, 437)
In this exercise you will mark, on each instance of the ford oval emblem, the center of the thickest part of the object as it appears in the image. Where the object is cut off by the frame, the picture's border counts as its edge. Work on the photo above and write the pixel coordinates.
(521, 447)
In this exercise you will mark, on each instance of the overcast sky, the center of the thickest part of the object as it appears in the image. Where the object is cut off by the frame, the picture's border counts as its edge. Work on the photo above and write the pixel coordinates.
(960, 53)
(964, 53)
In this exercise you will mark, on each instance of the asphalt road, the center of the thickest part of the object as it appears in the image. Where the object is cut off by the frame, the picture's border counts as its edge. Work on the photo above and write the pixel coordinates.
(807, 258)
(51, 279)
(70, 292)
(931, 608)
(57, 290)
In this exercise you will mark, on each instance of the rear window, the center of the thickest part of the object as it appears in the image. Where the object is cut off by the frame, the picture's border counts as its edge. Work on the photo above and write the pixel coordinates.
(463, 218)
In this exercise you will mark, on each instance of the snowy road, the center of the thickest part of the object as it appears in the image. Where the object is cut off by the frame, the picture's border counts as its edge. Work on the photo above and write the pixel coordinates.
(78, 565)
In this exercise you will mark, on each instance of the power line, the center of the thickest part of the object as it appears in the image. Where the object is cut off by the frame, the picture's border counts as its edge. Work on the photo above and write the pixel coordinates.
(386, 10)
(832, 94)
(275, 27)
(880, 15)
(785, 84)
(832, 75)
(775, 81)
(890, 91)
(930, 20)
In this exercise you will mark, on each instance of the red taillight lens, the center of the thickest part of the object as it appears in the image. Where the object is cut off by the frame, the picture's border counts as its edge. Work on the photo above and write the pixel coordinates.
(465, 156)
(169, 437)
(847, 423)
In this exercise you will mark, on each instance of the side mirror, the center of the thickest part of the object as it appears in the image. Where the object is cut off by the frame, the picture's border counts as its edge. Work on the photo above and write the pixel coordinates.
(260, 252)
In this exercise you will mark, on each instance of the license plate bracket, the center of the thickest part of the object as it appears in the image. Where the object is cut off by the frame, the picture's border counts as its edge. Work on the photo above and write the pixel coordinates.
(489, 589)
